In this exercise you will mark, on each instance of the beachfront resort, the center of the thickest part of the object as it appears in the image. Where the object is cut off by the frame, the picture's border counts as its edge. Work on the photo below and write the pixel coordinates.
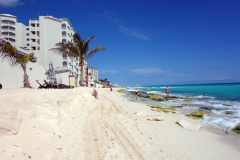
(41, 35)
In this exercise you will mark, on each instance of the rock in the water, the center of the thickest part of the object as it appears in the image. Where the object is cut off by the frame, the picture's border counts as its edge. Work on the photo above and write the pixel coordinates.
(188, 105)
(155, 106)
(236, 131)
(177, 106)
(188, 125)
(227, 105)
(188, 100)
(155, 97)
(198, 114)
(121, 90)
(155, 118)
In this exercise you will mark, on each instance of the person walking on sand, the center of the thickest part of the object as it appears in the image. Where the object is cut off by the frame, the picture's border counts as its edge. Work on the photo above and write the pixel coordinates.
(136, 95)
(167, 91)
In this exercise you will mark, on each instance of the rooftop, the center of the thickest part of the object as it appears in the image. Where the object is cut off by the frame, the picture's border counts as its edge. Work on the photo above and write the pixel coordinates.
(8, 15)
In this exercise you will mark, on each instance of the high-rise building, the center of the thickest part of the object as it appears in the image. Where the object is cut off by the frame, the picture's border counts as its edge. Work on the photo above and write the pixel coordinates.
(92, 74)
(39, 37)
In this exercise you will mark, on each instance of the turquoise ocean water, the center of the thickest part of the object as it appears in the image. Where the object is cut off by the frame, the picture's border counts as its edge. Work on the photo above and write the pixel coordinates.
(206, 97)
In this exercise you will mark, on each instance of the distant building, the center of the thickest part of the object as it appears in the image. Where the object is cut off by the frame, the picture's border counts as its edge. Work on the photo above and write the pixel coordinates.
(92, 74)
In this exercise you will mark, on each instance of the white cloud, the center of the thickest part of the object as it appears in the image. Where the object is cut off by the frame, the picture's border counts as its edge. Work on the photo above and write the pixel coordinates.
(148, 70)
(123, 29)
(10, 3)
(107, 71)
(132, 32)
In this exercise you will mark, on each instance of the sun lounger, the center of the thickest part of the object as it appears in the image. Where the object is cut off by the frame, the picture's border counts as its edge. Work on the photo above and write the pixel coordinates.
(58, 86)
(41, 85)
(50, 86)
(55, 86)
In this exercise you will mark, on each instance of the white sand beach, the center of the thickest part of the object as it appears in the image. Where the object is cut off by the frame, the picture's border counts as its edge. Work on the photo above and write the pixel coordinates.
(71, 124)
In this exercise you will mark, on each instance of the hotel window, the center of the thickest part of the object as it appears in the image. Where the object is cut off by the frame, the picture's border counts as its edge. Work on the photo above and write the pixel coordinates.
(28, 45)
(27, 39)
(27, 29)
(27, 34)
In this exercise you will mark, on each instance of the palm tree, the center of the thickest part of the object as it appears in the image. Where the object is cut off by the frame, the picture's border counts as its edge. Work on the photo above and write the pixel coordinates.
(11, 54)
(78, 49)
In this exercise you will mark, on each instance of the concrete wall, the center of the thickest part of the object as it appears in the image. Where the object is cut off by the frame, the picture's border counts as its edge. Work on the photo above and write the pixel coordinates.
(12, 77)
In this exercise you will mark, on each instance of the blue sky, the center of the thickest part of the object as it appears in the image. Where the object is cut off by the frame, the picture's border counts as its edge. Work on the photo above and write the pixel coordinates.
(154, 42)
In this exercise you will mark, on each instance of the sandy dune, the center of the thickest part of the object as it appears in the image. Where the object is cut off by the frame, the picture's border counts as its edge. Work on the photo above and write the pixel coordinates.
(72, 124)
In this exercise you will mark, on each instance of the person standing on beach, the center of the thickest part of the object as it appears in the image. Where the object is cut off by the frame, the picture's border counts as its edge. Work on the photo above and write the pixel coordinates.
(136, 95)
(167, 91)
(111, 89)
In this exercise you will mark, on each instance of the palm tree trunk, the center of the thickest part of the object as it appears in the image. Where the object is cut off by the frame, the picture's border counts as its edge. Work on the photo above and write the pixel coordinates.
(26, 83)
(81, 76)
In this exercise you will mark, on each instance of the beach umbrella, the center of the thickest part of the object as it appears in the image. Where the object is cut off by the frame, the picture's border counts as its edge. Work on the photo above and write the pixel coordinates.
(59, 70)
(51, 73)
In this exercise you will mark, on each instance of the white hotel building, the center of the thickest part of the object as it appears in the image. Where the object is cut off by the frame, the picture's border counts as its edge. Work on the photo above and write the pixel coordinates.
(39, 37)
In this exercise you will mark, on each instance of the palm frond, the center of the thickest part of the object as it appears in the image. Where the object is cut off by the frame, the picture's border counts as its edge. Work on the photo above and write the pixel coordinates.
(68, 48)
(9, 53)
(86, 45)
(78, 41)
(93, 51)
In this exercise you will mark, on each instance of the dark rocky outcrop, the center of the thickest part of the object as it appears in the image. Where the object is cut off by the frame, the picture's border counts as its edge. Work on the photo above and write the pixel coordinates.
(177, 106)
(198, 114)
(236, 130)
(155, 97)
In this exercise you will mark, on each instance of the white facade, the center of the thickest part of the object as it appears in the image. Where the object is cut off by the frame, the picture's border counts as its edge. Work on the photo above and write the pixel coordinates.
(92, 74)
(39, 37)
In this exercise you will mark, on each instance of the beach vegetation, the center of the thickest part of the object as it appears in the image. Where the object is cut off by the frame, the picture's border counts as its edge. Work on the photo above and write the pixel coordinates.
(188, 100)
(79, 49)
(131, 97)
(143, 99)
(11, 54)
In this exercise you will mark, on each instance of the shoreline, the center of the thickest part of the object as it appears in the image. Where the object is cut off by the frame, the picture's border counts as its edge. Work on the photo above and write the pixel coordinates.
(55, 124)
(183, 110)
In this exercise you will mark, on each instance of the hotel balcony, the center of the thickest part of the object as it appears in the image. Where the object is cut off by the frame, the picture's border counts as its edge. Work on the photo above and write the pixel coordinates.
(8, 34)
(11, 40)
(8, 28)
(8, 22)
